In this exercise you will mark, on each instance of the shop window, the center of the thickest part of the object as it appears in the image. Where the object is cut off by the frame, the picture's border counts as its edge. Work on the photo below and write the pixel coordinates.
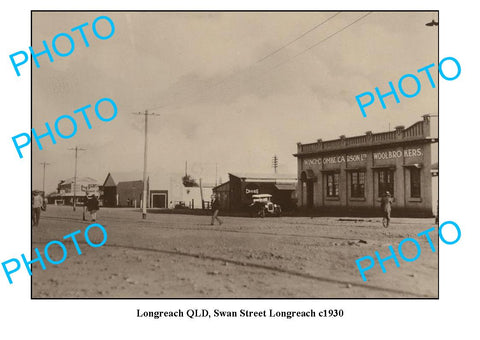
(332, 184)
(414, 182)
(385, 182)
(357, 187)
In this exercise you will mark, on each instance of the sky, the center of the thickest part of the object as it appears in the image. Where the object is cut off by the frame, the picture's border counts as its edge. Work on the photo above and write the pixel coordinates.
(218, 105)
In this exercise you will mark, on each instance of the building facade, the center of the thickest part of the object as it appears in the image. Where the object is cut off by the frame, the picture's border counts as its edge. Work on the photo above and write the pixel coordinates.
(118, 191)
(348, 176)
(74, 187)
(236, 194)
(130, 193)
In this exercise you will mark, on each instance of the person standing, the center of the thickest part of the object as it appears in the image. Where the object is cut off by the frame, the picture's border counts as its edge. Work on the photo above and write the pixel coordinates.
(215, 210)
(386, 208)
(37, 204)
(92, 206)
(85, 201)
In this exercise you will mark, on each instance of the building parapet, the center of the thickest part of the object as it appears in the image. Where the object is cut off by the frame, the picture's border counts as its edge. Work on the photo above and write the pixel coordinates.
(417, 131)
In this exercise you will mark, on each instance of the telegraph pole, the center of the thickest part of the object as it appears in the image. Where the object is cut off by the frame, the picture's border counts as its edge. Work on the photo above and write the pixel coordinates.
(144, 201)
(44, 164)
(75, 177)
(201, 193)
(275, 163)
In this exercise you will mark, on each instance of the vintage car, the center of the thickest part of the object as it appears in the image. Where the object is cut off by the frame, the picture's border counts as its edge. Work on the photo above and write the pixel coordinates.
(179, 205)
(262, 206)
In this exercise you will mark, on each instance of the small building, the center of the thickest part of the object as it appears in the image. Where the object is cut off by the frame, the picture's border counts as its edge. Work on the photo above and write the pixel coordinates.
(109, 192)
(179, 194)
(130, 193)
(192, 196)
(69, 188)
(349, 176)
(119, 190)
(236, 194)
(126, 190)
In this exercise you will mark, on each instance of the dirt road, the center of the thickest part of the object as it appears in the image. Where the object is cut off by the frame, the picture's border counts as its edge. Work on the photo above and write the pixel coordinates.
(183, 256)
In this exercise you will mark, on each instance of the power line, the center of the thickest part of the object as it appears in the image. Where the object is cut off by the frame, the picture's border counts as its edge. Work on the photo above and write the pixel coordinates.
(266, 72)
(280, 64)
(261, 59)
(321, 41)
(313, 46)
(298, 38)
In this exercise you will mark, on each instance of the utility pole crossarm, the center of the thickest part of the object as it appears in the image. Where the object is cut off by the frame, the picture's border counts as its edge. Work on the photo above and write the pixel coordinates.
(275, 163)
(44, 165)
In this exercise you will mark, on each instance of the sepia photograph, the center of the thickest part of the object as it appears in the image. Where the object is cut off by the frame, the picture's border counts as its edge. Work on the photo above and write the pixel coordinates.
(234, 154)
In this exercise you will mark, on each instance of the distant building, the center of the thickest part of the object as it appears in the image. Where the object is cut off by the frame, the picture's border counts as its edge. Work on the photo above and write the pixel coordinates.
(65, 190)
(192, 196)
(236, 194)
(350, 175)
(109, 192)
(130, 193)
(179, 194)
(126, 190)
(122, 190)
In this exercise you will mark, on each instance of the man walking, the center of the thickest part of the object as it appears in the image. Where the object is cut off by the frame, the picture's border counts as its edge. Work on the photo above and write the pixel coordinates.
(92, 206)
(386, 208)
(37, 204)
(215, 210)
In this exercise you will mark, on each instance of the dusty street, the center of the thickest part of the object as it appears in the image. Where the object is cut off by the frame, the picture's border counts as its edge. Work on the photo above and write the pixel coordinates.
(183, 256)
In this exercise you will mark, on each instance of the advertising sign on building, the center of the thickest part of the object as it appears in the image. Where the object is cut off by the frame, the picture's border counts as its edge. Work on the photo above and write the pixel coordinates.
(91, 189)
(252, 189)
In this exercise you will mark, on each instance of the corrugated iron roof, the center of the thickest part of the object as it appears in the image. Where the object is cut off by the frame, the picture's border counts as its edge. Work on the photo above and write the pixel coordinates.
(253, 176)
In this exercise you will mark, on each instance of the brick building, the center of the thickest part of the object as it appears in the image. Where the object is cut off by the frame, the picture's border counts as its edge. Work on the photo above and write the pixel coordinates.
(348, 176)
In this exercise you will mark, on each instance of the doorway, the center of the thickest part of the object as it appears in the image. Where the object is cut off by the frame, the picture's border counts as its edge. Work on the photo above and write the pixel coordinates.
(159, 201)
(309, 194)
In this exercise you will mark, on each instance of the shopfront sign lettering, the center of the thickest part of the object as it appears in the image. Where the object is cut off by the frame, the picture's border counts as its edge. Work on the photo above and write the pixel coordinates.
(336, 159)
(357, 158)
(314, 161)
(389, 154)
(398, 153)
